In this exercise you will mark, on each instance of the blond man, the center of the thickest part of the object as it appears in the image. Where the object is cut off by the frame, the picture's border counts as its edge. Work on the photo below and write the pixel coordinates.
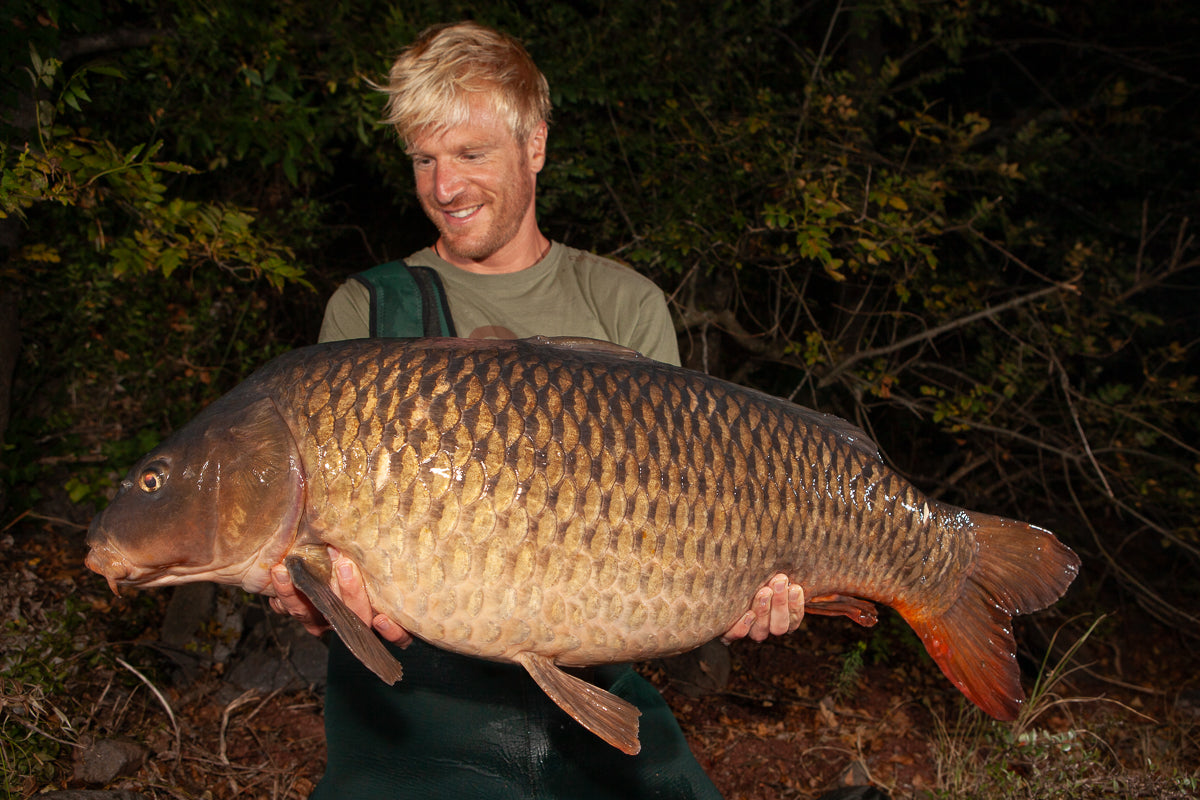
(472, 110)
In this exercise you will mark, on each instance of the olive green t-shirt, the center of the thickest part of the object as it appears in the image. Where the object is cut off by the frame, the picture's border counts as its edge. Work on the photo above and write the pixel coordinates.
(568, 293)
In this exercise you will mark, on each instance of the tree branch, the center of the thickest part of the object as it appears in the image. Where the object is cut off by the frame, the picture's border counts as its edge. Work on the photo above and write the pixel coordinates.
(934, 332)
(117, 39)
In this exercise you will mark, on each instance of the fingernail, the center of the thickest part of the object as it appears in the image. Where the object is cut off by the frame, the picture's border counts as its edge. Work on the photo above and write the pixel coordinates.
(280, 573)
(345, 570)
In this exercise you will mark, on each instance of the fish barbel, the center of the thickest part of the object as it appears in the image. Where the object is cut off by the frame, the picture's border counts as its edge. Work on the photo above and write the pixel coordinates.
(565, 502)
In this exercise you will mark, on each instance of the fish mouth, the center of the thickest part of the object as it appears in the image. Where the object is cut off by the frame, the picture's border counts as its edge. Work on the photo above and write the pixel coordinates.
(120, 569)
(108, 563)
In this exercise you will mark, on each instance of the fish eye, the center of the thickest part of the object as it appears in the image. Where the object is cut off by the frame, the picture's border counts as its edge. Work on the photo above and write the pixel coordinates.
(152, 478)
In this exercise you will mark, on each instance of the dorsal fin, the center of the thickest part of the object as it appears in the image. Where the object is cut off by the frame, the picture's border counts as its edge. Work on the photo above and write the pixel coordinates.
(583, 344)
(846, 431)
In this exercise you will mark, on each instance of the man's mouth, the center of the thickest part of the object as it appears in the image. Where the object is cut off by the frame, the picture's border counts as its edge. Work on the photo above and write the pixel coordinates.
(463, 213)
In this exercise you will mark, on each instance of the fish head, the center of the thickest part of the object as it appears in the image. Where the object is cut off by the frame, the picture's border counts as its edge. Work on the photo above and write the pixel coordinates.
(220, 500)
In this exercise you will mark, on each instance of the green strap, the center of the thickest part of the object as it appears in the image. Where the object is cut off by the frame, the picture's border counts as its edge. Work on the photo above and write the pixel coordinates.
(406, 301)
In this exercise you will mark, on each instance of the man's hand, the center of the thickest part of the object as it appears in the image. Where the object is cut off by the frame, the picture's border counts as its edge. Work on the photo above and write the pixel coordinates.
(778, 608)
(347, 584)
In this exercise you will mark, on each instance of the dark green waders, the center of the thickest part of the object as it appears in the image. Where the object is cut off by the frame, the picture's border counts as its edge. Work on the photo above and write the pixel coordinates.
(460, 727)
(457, 727)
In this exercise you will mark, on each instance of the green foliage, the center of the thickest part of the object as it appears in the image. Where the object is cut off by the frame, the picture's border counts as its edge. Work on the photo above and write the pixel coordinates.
(846, 681)
(141, 297)
(971, 237)
(38, 661)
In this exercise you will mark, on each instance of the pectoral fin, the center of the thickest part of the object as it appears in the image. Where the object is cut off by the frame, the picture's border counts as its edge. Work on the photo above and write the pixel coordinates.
(603, 713)
(359, 638)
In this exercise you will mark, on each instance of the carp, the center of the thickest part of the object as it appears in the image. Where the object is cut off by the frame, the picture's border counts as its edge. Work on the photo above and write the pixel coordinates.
(564, 503)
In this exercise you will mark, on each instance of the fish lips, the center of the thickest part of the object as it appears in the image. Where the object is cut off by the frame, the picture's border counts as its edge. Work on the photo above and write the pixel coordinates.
(107, 562)
(118, 570)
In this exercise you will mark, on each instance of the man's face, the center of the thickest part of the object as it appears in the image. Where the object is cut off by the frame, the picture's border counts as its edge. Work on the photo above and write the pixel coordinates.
(476, 182)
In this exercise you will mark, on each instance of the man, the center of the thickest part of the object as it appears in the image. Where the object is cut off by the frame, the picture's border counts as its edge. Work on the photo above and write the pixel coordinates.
(472, 110)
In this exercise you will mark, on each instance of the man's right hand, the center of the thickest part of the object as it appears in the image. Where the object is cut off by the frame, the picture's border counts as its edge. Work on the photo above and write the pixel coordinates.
(346, 582)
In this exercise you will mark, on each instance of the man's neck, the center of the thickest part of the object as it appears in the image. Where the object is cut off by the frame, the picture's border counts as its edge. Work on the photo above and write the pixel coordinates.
(521, 252)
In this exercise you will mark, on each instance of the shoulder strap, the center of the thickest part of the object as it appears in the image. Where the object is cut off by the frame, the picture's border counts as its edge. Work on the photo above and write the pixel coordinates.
(406, 301)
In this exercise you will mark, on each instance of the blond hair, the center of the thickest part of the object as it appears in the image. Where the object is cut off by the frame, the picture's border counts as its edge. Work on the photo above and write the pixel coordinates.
(432, 81)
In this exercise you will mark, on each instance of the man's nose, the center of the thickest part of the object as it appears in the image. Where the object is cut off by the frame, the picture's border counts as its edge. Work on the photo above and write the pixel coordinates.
(447, 183)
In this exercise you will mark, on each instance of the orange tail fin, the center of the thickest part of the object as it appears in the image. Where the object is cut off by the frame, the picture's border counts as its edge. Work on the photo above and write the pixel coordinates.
(1019, 568)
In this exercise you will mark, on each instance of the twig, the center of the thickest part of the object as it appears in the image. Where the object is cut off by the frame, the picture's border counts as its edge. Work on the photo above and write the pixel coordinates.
(40, 732)
(1065, 382)
(1149, 600)
(812, 80)
(161, 699)
(245, 697)
(66, 523)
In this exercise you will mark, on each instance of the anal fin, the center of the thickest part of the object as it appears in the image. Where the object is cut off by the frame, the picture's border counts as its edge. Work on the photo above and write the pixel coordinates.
(603, 713)
(355, 633)
(833, 605)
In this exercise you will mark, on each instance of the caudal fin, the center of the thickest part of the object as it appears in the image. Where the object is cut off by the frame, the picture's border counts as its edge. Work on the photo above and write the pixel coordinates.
(1019, 568)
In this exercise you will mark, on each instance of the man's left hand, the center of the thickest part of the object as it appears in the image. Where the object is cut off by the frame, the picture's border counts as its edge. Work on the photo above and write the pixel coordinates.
(778, 608)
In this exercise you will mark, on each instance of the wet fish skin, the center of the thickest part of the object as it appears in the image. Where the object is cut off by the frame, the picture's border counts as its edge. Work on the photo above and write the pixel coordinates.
(570, 503)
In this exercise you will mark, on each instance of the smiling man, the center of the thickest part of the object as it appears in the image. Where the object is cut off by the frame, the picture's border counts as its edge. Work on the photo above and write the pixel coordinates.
(472, 110)
(476, 182)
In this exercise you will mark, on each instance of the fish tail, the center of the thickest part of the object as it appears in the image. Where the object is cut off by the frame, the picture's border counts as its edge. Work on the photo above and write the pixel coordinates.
(1018, 568)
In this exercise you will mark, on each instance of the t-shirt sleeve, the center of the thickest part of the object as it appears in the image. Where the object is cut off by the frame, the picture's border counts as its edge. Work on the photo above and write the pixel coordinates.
(654, 336)
(347, 314)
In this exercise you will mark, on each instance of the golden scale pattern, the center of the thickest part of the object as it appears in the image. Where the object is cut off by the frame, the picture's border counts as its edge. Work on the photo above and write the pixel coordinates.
(587, 504)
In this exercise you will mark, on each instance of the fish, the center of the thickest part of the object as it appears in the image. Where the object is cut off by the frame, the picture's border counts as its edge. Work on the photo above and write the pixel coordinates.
(565, 502)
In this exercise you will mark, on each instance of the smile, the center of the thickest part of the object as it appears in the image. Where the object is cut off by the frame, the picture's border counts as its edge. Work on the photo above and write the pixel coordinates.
(463, 213)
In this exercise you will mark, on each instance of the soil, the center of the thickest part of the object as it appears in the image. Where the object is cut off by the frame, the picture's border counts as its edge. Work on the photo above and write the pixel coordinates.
(831, 705)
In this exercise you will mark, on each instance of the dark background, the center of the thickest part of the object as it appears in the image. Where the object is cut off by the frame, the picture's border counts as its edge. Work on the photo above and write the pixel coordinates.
(968, 227)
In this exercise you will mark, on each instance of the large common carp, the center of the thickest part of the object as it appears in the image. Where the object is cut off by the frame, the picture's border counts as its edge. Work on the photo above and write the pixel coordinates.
(565, 502)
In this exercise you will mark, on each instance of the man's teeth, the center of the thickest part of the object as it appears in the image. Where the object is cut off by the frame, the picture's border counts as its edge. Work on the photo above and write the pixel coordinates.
(462, 214)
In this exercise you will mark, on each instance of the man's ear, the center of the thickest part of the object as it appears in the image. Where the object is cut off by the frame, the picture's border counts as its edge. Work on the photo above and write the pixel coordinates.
(535, 148)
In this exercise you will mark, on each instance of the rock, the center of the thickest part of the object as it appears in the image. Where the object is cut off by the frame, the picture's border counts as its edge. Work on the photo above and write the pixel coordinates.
(201, 627)
(104, 760)
(855, 793)
(277, 654)
(854, 784)
(699, 672)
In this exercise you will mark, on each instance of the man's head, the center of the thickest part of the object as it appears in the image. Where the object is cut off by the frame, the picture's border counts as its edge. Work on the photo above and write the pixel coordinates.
(471, 108)
(432, 83)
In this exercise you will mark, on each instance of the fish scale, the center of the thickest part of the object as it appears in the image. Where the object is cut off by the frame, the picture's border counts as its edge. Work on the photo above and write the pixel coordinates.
(565, 503)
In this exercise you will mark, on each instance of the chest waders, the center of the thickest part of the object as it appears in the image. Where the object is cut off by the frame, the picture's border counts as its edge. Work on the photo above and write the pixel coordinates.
(464, 728)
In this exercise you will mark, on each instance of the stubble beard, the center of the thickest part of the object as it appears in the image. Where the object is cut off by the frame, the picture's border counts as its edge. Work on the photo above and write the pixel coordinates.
(501, 230)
